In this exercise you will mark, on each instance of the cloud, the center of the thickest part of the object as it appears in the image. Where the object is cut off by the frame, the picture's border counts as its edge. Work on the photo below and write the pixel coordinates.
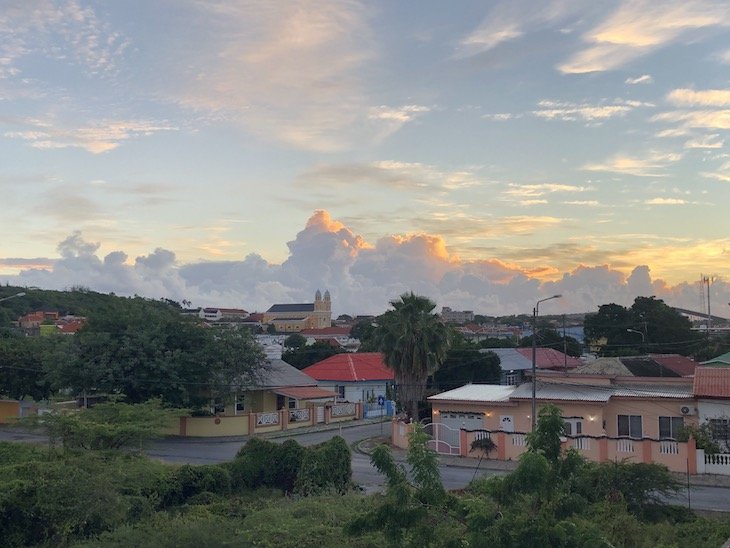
(651, 165)
(566, 111)
(639, 27)
(706, 141)
(666, 201)
(705, 119)
(540, 189)
(393, 118)
(643, 79)
(61, 30)
(703, 98)
(99, 137)
(391, 174)
(508, 21)
(721, 174)
(363, 277)
(281, 70)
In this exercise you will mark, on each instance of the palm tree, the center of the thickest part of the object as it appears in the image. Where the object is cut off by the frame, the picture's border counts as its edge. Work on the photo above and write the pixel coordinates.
(413, 342)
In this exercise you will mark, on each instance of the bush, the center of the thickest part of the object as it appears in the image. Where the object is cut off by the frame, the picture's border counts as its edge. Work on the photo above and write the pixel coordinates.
(326, 467)
(188, 481)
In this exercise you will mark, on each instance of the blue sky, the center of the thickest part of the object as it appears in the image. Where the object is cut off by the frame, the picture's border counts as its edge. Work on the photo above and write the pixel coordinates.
(484, 153)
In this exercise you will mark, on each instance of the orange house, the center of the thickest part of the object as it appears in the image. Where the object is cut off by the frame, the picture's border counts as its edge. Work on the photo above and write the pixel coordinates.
(606, 418)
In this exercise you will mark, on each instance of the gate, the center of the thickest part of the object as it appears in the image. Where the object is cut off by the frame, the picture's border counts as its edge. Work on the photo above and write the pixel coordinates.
(445, 440)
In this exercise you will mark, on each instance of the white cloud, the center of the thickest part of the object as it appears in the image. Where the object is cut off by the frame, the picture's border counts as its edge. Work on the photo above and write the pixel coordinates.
(643, 79)
(706, 141)
(558, 110)
(702, 98)
(666, 201)
(393, 118)
(101, 136)
(281, 69)
(639, 27)
(709, 119)
(652, 164)
(540, 189)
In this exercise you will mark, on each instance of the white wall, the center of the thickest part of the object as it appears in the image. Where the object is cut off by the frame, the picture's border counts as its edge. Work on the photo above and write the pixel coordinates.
(354, 390)
(713, 409)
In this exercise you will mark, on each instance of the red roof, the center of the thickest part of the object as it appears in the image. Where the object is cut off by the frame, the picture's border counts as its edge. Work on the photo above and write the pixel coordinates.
(681, 365)
(366, 366)
(305, 392)
(549, 358)
(712, 382)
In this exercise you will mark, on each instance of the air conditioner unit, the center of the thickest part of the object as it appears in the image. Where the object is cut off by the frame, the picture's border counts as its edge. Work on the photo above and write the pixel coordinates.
(687, 410)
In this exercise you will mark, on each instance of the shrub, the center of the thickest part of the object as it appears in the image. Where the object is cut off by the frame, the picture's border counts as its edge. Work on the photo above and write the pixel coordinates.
(326, 467)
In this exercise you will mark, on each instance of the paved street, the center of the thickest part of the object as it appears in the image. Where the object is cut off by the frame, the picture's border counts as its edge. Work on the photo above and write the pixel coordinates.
(455, 473)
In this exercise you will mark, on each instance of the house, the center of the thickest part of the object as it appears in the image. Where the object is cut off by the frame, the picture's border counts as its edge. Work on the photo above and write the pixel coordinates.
(34, 320)
(515, 362)
(723, 360)
(712, 389)
(223, 314)
(606, 418)
(294, 318)
(354, 377)
(652, 365)
(281, 386)
(456, 316)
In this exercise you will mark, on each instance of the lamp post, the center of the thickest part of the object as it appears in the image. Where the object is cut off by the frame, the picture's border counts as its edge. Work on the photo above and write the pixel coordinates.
(21, 294)
(535, 312)
(643, 337)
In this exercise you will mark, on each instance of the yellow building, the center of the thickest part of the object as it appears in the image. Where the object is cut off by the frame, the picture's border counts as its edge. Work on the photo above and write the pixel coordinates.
(293, 318)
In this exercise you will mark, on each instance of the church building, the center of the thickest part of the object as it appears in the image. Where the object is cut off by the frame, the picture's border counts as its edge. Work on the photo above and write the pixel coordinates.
(293, 318)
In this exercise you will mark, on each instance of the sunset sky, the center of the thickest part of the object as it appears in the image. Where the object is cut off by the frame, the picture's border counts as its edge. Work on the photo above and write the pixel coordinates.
(485, 154)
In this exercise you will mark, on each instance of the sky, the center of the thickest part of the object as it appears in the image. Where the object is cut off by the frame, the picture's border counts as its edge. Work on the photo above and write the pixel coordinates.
(483, 154)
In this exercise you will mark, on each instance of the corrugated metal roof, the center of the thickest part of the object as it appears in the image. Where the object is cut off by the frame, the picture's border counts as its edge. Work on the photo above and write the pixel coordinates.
(300, 307)
(477, 393)
(563, 392)
(653, 391)
(279, 374)
(604, 366)
(306, 393)
(511, 360)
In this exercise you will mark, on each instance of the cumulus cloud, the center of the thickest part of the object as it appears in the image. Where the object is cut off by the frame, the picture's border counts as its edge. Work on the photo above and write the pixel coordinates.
(639, 27)
(361, 277)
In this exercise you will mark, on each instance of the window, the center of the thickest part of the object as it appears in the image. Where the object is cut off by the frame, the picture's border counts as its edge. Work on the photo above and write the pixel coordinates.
(340, 389)
(240, 403)
(720, 430)
(573, 427)
(218, 406)
(292, 403)
(513, 378)
(630, 425)
(669, 427)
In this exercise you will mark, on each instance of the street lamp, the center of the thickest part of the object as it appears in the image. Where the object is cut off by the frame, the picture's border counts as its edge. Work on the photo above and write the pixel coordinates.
(643, 337)
(21, 294)
(535, 312)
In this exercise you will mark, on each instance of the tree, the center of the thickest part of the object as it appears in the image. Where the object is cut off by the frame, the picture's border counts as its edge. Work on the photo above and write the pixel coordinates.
(413, 342)
(295, 340)
(551, 338)
(465, 365)
(113, 425)
(307, 355)
(649, 325)
(364, 331)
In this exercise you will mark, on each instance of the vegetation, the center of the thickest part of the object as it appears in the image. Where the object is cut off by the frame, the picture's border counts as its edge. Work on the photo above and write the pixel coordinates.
(649, 325)
(414, 343)
(135, 348)
(464, 365)
(304, 356)
(551, 338)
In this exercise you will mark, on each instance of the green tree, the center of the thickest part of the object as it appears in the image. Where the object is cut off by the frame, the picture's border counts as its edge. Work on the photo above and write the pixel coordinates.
(414, 343)
(295, 340)
(311, 354)
(551, 338)
(113, 425)
(465, 365)
(364, 331)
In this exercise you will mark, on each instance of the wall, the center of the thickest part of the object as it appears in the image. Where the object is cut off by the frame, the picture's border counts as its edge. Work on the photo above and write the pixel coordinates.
(650, 410)
(214, 426)
(9, 409)
(713, 409)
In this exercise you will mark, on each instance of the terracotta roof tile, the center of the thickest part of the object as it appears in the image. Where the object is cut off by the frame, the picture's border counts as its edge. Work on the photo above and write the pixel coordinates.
(366, 366)
(712, 382)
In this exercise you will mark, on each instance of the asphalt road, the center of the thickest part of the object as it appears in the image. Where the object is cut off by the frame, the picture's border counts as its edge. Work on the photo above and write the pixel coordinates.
(210, 451)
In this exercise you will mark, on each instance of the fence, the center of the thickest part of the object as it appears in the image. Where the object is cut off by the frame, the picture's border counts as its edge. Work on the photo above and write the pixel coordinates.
(248, 424)
(713, 464)
(677, 456)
